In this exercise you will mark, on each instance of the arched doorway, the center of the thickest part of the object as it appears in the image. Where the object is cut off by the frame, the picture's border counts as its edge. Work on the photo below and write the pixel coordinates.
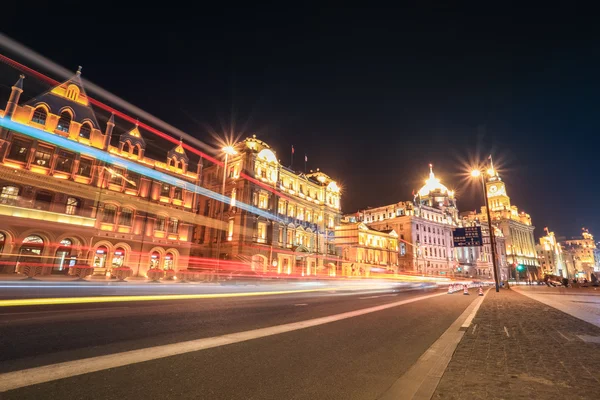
(100, 257)
(30, 252)
(169, 260)
(118, 258)
(259, 263)
(64, 258)
(2, 240)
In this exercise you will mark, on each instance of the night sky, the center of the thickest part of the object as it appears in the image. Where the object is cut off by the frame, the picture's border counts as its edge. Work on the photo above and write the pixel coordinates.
(371, 96)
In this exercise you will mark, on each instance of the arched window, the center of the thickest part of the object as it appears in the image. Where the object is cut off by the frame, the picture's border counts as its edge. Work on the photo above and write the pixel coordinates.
(100, 257)
(118, 258)
(64, 122)
(126, 147)
(63, 258)
(39, 116)
(154, 259)
(72, 206)
(43, 200)
(9, 195)
(169, 259)
(2, 240)
(136, 150)
(85, 131)
(72, 92)
(31, 250)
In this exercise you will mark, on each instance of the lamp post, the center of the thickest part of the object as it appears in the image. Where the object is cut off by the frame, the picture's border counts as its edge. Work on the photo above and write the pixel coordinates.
(477, 173)
(228, 151)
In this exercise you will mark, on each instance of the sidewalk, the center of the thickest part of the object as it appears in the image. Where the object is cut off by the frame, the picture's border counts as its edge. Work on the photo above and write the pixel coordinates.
(519, 348)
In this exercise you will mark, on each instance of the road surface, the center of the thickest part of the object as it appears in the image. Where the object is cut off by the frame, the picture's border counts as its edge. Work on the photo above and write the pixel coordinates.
(351, 354)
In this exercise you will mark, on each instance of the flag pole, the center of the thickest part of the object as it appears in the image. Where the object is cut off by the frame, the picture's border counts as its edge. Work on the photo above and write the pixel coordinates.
(305, 159)
(292, 162)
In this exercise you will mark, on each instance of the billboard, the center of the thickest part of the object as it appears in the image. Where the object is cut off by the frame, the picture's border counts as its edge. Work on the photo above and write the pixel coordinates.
(468, 236)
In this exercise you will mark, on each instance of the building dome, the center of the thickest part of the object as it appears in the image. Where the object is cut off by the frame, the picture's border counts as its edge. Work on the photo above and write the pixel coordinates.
(432, 184)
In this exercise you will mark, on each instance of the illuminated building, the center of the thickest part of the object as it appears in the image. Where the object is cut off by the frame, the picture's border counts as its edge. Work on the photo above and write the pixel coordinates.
(298, 238)
(70, 196)
(551, 258)
(579, 253)
(476, 261)
(515, 226)
(366, 250)
(424, 227)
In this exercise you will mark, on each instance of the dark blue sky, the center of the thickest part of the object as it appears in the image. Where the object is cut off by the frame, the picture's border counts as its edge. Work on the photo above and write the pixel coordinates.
(371, 96)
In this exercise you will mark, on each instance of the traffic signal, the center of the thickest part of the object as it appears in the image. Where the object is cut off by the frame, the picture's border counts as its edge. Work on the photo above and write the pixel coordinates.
(520, 267)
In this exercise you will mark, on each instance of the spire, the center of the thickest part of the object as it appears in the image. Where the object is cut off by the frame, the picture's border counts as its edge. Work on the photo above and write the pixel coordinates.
(19, 84)
(110, 124)
(111, 120)
(79, 70)
(431, 175)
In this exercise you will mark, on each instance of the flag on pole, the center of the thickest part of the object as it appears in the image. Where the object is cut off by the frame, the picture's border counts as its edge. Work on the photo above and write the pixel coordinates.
(305, 158)
(292, 149)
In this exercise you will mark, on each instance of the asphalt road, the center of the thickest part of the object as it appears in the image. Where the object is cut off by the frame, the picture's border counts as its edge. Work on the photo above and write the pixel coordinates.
(354, 358)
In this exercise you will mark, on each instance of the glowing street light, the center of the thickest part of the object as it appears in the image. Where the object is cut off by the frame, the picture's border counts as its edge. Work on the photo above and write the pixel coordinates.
(229, 151)
(476, 173)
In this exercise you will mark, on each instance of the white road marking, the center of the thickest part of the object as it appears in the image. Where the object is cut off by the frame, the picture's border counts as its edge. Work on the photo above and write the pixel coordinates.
(62, 311)
(469, 319)
(474, 327)
(47, 373)
(561, 334)
(381, 295)
(506, 331)
(301, 304)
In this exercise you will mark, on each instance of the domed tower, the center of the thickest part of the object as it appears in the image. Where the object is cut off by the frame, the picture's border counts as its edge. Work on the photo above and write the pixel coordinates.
(435, 194)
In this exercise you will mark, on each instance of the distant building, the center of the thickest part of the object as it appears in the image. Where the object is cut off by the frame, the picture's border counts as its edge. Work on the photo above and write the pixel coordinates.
(515, 226)
(580, 253)
(424, 227)
(550, 255)
(476, 261)
(366, 250)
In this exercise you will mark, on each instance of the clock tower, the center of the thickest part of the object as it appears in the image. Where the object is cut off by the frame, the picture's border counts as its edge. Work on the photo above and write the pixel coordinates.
(496, 192)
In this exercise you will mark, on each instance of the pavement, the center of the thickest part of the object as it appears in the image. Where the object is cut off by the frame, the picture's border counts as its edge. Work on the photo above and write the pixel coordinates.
(520, 348)
(318, 345)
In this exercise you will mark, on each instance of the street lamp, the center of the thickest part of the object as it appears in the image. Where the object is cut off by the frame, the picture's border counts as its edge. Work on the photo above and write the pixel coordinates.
(228, 151)
(476, 173)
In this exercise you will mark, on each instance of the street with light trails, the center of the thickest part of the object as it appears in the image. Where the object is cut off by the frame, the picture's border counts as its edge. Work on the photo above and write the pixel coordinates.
(357, 356)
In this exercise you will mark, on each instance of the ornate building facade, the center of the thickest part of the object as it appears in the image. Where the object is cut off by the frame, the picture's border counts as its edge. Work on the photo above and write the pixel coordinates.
(580, 253)
(366, 250)
(295, 232)
(424, 227)
(550, 255)
(516, 228)
(72, 193)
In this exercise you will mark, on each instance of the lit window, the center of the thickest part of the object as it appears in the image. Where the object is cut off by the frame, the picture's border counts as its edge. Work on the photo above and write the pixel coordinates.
(19, 150)
(281, 208)
(43, 155)
(39, 116)
(85, 167)
(173, 225)
(72, 92)
(109, 214)
(116, 176)
(72, 205)
(85, 131)
(169, 259)
(64, 122)
(233, 196)
(126, 217)
(263, 201)
(165, 190)
(133, 180)
(64, 161)
(177, 194)
(160, 223)
(230, 230)
(9, 195)
(261, 232)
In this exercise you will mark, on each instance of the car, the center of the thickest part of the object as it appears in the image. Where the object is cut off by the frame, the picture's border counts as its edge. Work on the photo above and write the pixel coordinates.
(241, 277)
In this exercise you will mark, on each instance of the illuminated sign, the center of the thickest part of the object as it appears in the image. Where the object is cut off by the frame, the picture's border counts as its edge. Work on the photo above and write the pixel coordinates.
(467, 236)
